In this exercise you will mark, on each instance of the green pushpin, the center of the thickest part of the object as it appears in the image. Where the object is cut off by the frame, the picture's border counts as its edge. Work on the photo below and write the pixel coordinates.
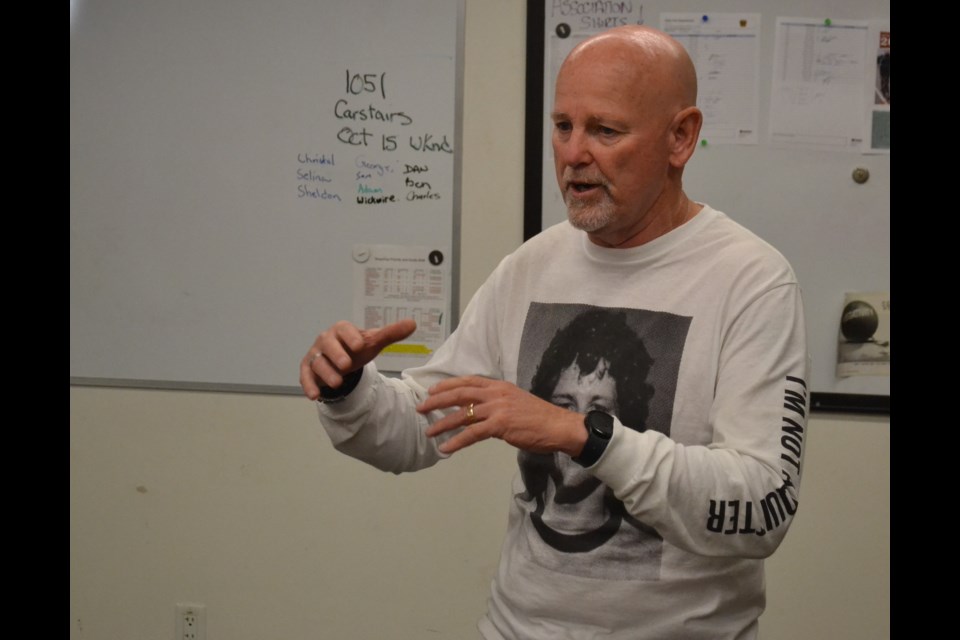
(703, 143)
(827, 22)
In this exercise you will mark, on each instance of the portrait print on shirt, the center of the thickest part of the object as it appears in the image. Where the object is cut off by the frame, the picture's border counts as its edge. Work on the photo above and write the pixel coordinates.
(621, 361)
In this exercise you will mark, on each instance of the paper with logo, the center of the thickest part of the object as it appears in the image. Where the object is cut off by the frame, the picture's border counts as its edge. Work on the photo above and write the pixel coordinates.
(392, 282)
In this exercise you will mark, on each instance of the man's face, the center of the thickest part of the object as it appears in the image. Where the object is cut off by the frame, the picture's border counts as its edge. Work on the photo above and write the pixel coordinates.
(610, 143)
(581, 392)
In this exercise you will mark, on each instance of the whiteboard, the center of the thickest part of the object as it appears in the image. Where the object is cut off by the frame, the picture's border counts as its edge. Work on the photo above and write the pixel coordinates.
(226, 158)
(834, 231)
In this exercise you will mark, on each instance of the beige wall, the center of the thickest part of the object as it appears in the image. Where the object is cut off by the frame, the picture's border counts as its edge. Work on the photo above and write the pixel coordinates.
(237, 501)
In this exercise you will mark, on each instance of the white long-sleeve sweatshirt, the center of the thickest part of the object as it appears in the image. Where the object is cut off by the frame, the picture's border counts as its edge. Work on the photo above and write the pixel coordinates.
(664, 536)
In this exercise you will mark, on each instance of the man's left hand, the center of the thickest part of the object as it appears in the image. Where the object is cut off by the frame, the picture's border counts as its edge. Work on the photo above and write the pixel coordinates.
(502, 410)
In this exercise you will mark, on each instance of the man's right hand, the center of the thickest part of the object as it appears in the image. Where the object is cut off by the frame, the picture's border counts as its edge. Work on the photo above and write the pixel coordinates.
(344, 348)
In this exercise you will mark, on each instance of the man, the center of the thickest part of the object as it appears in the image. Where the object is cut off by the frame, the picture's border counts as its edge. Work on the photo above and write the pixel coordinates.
(711, 477)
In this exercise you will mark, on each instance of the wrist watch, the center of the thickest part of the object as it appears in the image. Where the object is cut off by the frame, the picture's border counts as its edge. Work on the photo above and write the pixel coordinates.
(599, 426)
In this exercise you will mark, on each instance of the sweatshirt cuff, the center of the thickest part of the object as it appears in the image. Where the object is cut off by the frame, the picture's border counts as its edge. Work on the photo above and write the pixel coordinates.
(356, 400)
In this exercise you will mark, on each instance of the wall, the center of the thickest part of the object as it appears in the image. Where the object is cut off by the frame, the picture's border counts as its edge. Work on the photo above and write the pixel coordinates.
(237, 501)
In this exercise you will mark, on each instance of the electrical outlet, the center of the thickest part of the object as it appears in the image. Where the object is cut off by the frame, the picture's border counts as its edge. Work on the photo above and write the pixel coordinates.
(191, 622)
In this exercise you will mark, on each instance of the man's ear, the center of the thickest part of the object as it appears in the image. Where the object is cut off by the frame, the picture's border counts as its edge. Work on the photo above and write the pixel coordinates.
(685, 131)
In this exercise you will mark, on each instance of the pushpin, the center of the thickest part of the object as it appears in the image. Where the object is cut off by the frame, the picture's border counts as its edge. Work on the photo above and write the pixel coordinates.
(703, 143)
(827, 22)
(705, 18)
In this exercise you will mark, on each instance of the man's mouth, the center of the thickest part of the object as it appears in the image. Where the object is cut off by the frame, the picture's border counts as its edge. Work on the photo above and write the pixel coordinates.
(583, 184)
(579, 188)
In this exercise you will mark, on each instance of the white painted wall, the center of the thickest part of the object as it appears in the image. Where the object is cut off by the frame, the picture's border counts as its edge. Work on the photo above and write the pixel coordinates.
(239, 502)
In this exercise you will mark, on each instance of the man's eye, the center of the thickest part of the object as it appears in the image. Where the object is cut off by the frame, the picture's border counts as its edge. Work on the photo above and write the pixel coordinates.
(563, 126)
(607, 131)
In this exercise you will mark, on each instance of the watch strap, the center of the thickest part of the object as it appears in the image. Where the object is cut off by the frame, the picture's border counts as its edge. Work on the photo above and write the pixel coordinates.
(596, 444)
(329, 395)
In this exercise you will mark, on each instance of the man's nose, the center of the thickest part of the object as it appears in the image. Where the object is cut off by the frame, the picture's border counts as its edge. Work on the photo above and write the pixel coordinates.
(574, 150)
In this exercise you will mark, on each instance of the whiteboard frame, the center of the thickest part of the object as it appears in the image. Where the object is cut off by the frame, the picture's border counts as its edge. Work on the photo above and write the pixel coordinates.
(453, 299)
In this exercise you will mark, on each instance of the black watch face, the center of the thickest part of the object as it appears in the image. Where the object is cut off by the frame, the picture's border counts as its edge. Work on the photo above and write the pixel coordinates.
(601, 424)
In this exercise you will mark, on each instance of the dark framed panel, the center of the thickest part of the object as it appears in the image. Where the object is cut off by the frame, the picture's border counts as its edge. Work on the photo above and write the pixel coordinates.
(857, 220)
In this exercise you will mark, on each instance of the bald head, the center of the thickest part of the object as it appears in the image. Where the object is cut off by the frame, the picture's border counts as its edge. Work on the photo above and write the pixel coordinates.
(648, 57)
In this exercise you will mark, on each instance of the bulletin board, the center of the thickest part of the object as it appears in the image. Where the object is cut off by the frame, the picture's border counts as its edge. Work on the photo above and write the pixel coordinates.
(239, 169)
(827, 210)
